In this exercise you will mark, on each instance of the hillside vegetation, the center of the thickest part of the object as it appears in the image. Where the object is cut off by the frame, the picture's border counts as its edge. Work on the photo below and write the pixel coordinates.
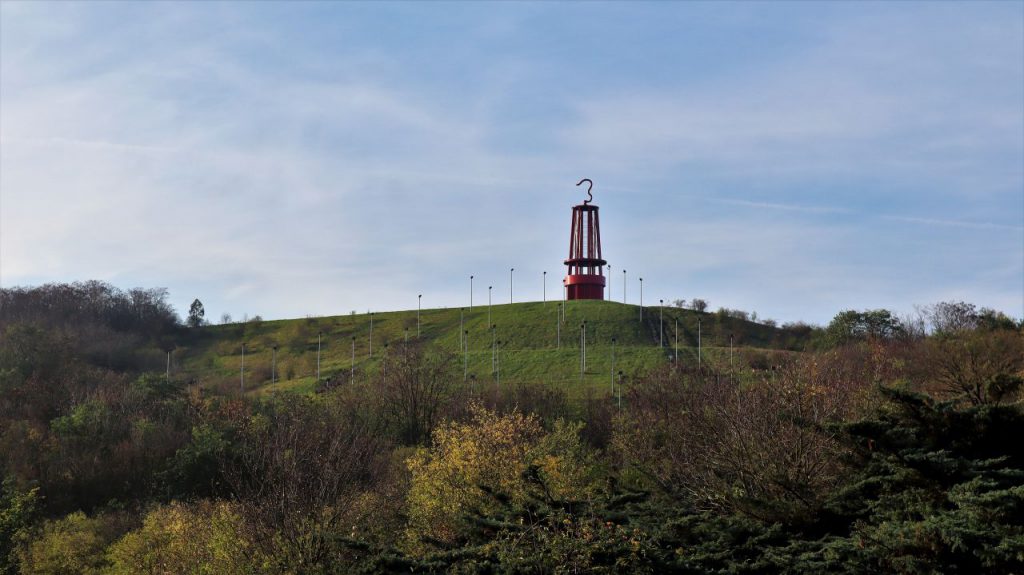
(532, 345)
(886, 445)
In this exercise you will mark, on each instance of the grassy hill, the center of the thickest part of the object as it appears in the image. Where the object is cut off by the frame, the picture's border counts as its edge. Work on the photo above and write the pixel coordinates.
(534, 346)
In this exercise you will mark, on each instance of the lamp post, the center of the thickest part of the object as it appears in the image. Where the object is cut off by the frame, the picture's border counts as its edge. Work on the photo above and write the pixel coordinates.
(489, 304)
(419, 307)
(609, 283)
(545, 293)
(620, 390)
(641, 299)
(470, 293)
(623, 286)
(494, 345)
(510, 284)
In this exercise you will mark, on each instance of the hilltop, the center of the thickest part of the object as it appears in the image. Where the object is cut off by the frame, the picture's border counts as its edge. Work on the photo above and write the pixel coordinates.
(532, 344)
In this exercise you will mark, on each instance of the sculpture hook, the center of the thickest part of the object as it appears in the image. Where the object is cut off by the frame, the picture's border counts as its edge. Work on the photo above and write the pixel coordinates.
(590, 197)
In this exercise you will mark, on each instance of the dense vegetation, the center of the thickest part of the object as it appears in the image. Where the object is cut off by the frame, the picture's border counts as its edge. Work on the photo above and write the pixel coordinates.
(886, 445)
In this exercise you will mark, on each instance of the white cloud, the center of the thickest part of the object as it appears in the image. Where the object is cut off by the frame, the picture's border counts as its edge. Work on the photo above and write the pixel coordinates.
(207, 156)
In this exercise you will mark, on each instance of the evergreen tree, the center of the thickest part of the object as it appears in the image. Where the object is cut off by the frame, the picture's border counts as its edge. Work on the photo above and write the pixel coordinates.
(196, 314)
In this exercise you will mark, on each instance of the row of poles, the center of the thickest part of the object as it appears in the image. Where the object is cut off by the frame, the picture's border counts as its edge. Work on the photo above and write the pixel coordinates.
(544, 292)
(495, 348)
(495, 354)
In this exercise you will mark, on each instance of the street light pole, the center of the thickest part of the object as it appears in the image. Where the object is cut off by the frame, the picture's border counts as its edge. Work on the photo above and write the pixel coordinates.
(489, 304)
(641, 299)
(610, 285)
(545, 296)
(676, 359)
(510, 284)
(470, 293)
(623, 286)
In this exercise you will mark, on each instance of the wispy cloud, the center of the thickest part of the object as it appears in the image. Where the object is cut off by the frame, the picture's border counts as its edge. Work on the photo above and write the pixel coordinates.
(955, 223)
(346, 157)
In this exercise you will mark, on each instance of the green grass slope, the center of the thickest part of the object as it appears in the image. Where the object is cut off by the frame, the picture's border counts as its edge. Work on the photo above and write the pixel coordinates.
(531, 343)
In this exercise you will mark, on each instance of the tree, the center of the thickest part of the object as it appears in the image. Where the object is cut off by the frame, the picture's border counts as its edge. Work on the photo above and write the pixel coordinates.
(16, 510)
(698, 304)
(950, 316)
(472, 467)
(75, 543)
(852, 325)
(301, 466)
(976, 366)
(196, 313)
(753, 449)
(934, 488)
(418, 390)
(193, 538)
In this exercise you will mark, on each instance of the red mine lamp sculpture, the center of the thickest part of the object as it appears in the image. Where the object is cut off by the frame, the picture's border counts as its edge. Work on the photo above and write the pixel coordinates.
(585, 279)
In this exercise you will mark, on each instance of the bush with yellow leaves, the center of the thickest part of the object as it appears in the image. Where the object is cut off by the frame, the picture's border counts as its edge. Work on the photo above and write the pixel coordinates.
(199, 538)
(491, 454)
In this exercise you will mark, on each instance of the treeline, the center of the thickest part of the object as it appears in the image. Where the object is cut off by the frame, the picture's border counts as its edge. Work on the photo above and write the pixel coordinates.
(890, 449)
(104, 325)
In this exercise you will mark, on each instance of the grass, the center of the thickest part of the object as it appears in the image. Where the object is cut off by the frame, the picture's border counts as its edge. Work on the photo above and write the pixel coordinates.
(532, 344)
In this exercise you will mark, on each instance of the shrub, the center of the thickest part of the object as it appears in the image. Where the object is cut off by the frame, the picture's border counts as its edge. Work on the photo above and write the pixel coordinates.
(201, 538)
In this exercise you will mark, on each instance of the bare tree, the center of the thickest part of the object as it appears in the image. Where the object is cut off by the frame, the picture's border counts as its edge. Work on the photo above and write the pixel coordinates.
(299, 471)
(978, 366)
(951, 317)
(419, 387)
(759, 449)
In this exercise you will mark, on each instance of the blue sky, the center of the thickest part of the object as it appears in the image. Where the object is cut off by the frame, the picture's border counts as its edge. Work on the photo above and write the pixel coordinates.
(794, 159)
